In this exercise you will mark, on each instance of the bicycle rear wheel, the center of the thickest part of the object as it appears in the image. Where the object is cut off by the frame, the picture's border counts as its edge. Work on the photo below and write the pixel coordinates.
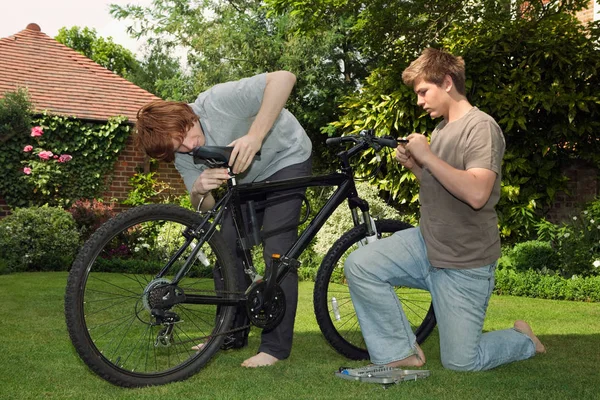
(337, 318)
(116, 284)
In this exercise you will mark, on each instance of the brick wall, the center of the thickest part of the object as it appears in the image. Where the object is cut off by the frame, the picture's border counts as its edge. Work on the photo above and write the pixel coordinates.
(131, 161)
(586, 15)
(583, 186)
(4, 210)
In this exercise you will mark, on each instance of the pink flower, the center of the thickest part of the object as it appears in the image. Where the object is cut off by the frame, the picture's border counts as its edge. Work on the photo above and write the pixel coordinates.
(65, 158)
(45, 155)
(27, 171)
(37, 131)
(27, 148)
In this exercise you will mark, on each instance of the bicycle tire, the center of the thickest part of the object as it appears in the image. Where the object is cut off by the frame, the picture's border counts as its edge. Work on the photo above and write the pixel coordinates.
(341, 328)
(110, 291)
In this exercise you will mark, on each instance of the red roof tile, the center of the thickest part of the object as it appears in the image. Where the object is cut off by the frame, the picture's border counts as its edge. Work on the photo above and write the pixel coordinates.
(63, 81)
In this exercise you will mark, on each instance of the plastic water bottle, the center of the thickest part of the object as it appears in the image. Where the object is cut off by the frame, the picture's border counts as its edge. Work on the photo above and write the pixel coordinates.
(335, 308)
(201, 256)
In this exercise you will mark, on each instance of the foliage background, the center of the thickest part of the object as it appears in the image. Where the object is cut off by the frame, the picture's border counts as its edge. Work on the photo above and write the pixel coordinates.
(530, 64)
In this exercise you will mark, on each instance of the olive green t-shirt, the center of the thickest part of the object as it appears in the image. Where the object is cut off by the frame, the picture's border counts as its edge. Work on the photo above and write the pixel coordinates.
(456, 235)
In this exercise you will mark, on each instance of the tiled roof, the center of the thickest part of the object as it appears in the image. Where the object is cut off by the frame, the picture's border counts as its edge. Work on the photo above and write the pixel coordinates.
(63, 81)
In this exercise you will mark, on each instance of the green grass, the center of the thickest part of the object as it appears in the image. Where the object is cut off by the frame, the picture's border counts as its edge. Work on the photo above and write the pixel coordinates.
(38, 361)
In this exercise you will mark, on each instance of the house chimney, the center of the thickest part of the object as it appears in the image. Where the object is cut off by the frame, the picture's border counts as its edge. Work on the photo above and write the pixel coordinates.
(34, 27)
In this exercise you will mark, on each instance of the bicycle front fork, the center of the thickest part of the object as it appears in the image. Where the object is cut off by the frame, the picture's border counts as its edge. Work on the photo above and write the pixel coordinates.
(369, 222)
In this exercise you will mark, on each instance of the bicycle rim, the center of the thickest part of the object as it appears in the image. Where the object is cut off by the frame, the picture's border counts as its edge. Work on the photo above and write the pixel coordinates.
(114, 286)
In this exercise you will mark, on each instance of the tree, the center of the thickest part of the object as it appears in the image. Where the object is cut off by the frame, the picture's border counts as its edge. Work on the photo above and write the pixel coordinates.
(158, 72)
(105, 52)
(162, 74)
(227, 40)
(530, 64)
(535, 70)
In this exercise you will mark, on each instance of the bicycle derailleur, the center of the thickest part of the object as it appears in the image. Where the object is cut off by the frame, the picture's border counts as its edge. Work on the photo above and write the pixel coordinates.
(160, 295)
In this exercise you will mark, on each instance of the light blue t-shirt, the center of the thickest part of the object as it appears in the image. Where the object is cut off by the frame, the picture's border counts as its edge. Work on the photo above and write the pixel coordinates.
(226, 112)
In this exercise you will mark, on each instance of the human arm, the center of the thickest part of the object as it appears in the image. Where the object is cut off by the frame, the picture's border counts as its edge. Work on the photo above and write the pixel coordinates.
(473, 186)
(278, 87)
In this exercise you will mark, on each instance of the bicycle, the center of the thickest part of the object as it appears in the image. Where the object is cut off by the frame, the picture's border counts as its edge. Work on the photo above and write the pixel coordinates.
(157, 280)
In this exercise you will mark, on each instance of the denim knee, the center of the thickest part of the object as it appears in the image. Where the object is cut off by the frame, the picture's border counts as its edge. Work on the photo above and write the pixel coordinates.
(351, 266)
(460, 365)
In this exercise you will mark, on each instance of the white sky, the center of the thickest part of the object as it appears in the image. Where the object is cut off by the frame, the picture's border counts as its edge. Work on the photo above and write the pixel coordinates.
(51, 15)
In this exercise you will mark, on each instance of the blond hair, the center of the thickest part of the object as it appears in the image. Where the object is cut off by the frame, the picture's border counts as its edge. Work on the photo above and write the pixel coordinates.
(433, 65)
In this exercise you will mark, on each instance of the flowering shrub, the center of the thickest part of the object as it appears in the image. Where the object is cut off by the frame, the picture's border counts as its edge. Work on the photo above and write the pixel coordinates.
(42, 167)
(341, 220)
(89, 215)
(88, 149)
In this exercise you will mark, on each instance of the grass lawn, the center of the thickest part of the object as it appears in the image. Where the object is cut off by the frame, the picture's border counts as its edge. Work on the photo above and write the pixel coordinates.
(37, 360)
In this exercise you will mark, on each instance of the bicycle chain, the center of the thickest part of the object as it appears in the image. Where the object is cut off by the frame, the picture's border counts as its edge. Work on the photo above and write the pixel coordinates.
(196, 340)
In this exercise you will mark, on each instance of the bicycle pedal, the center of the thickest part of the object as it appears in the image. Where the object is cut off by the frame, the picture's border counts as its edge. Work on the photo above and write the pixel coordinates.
(381, 375)
(232, 342)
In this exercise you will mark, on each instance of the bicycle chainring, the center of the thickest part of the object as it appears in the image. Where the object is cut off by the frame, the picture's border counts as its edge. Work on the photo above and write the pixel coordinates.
(265, 315)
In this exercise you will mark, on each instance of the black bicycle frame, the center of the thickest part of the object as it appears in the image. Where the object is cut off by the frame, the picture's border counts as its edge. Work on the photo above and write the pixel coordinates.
(346, 189)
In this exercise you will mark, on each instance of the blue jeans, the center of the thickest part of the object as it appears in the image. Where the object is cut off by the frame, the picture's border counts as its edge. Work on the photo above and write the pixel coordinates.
(460, 298)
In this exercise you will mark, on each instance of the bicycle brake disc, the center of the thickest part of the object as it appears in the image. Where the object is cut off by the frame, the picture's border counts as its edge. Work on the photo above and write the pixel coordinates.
(263, 313)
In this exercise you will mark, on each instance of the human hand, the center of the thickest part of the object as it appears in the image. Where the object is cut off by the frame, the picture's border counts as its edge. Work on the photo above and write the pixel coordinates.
(418, 148)
(244, 150)
(209, 179)
(403, 156)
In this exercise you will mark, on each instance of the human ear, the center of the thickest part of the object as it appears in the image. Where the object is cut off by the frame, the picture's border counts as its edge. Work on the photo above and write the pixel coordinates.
(448, 83)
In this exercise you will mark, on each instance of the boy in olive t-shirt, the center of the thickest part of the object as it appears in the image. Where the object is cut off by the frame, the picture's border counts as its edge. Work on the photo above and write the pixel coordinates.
(454, 251)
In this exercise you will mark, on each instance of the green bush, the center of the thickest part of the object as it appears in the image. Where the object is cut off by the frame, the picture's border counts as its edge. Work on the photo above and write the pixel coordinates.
(547, 286)
(516, 73)
(577, 242)
(341, 220)
(534, 254)
(145, 189)
(38, 239)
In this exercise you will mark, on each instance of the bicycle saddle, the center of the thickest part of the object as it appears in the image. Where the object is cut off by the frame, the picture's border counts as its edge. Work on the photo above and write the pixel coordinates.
(213, 156)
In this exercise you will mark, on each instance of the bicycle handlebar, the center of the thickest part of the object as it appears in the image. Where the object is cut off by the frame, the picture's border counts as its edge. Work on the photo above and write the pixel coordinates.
(368, 139)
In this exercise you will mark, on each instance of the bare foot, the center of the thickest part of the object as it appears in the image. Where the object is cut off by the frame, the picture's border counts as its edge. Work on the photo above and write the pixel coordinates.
(524, 327)
(198, 347)
(260, 360)
(416, 360)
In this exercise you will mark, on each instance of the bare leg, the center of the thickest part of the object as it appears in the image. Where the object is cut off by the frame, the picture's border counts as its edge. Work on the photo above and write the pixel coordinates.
(524, 327)
(260, 360)
(416, 360)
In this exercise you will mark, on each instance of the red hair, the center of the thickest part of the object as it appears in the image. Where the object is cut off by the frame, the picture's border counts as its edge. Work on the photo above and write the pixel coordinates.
(158, 123)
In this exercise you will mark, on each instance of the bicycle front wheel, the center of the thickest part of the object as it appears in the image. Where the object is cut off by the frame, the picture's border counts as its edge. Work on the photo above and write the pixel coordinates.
(334, 309)
(118, 282)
